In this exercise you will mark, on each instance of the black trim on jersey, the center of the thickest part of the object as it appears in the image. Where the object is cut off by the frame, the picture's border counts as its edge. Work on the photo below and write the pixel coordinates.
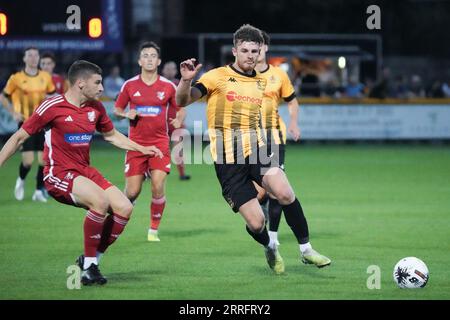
(30, 75)
(201, 87)
(242, 73)
(290, 98)
(268, 67)
(7, 96)
(49, 93)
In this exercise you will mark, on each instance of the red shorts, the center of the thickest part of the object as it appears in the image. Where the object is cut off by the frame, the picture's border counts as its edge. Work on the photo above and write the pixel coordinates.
(137, 164)
(59, 183)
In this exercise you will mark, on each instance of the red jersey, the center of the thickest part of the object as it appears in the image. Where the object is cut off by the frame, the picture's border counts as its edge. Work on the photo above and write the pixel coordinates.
(68, 131)
(152, 104)
(58, 81)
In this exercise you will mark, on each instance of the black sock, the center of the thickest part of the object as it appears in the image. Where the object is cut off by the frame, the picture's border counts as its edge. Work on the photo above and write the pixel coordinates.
(23, 171)
(274, 214)
(40, 178)
(262, 237)
(296, 220)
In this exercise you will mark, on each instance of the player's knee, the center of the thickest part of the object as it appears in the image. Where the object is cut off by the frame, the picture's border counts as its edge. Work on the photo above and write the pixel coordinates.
(286, 196)
(27, 163)
(133, 193)
(125, 208)
(158, 191)
(256, 225)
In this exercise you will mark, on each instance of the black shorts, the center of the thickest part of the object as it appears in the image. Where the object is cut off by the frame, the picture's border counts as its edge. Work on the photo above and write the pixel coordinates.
(236, 180)
(34, 142)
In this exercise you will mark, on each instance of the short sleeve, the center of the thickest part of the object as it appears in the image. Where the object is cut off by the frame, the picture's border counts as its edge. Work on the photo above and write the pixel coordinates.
(10, 86)
(287, 89)
(207, 83)
(40, 119)
(104, 123)
(123, 98)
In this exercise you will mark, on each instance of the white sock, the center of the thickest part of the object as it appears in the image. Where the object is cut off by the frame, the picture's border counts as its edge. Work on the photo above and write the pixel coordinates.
(305, 247)
(273, 235)
(99, 256)
(272, 244)
(88, 261)
(151, 231)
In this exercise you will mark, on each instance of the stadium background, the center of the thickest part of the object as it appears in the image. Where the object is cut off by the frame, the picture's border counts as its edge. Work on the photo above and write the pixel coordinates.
(372, 168)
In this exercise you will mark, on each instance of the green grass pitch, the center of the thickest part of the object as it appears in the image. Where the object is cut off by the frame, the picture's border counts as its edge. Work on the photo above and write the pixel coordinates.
(365, 204)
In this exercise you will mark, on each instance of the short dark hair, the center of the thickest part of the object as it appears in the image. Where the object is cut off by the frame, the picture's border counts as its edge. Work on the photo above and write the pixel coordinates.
(49, 55)
(150, 44)
(247, 33)
(266, 37)
(30, 48)
(82, 69)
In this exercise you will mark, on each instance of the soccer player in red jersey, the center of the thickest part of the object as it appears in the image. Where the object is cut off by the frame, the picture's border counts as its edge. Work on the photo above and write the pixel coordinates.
(70, 121)
(48, 63)
(176, 118)
(149, 96)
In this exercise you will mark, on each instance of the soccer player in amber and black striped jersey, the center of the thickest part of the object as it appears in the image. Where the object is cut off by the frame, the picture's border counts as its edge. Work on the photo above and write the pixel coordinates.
(234, 96)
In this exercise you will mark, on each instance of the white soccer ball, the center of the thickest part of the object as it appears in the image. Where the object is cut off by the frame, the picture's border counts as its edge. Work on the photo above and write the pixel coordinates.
(411, 273)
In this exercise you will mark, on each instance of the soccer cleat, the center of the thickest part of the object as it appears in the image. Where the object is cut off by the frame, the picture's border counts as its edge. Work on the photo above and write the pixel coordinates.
(39, 196)
(19, 191)
(311, 256)
(80, 261)
(185, 177)
(92, 275)
(274, 260)
(153, 236)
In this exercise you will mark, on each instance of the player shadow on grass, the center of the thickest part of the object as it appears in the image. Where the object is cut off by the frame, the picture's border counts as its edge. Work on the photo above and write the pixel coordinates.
(193, 232)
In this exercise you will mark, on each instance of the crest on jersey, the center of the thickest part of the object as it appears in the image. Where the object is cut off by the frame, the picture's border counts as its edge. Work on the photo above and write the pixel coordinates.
(91, 116)
(272, 79)
(160, 95)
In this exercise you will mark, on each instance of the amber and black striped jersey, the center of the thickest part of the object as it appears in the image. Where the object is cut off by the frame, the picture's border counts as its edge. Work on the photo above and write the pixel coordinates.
(278, 87)
(27, 92)
(234, 102)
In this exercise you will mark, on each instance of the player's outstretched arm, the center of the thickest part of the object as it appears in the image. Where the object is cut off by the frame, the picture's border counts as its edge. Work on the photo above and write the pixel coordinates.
(131, 114)
(13, 143)
(186, 94)
(119, 140)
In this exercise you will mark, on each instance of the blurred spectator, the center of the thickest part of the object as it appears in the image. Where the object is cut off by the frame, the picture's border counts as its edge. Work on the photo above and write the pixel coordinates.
(383, 88)
(416, 89)
(401, 87)
(170, 72)
(446, 89)
(113, 83)
(354, 89)
(436, 90)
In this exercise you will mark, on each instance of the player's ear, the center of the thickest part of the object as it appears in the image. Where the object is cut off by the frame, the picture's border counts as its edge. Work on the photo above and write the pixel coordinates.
(234, 51)
(159, 62)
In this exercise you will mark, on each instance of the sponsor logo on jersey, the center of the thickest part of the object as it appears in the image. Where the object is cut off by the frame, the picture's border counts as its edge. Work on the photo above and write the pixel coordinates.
(78, 139)
(233, 96)
(137, 94)
(148, 111)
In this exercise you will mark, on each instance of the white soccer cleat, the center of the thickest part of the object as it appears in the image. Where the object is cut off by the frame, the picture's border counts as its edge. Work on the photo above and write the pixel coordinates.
(19, 190)
(39, 196)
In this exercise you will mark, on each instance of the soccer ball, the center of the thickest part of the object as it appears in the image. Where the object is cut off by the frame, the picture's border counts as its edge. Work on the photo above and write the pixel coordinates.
(410, 273)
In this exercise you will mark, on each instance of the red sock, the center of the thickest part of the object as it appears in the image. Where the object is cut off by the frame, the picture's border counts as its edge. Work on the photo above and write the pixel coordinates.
(157, 209)
(113, 227)
(181, 169)
(180, 163)
(93, 226)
